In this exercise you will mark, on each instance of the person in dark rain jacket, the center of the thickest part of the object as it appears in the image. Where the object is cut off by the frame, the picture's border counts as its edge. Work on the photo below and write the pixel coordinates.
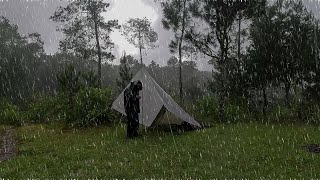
(132, 107)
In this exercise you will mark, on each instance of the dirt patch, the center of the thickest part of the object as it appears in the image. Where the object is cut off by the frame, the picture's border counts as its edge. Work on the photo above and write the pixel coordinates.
(313, 148)
(8, 147)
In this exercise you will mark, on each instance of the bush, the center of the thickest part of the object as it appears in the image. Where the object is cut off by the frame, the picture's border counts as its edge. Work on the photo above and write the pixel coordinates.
(207, 110)
(309, 112)
(315, 118)
(91, 106)
(47, 109)
(10, 114)
(234, 113)
(282, 114)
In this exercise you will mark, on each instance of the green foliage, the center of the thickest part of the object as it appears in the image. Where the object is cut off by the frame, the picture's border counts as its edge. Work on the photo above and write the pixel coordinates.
(10, 114)
(309, 112)
(300, 112)
(91, 106)
(220, 17)
(282, 114)
(207, 109)
(19, 60)
(87, 33)
(235, 112)
(314, 115)
(69, 81)
(47, 109)
(177, 17)
(89, 79)
(82, 25)
(124, 72)
(282, 48)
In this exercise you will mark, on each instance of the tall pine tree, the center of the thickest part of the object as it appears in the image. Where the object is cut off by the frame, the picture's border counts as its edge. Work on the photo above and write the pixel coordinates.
(86, 32)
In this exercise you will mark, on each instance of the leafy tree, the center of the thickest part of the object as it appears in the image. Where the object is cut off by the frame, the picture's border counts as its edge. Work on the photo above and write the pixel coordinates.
(172, 62)
(20, 57)
(176, 17)
(219, 16)
(139, 33)
(124, 72)
(282, 43)
(311, 70)
(296, 28)
(87, 34)
(259, 67)
(255, 9)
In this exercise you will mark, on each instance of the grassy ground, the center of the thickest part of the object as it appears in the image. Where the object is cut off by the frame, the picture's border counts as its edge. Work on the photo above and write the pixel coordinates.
(223, 151)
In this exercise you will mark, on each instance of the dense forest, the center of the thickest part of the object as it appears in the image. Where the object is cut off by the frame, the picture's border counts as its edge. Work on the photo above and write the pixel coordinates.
(265, 57)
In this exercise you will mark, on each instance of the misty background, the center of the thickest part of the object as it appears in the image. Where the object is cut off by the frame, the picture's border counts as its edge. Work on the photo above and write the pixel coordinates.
(33, 16)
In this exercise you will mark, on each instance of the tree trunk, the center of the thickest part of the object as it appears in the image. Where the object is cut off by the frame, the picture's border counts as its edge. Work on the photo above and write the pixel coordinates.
(180, 74)
(222, 94)
(180, 52)
(98, 48)
(222, 89)
(224, 58)
(265, 101)
(140, 47)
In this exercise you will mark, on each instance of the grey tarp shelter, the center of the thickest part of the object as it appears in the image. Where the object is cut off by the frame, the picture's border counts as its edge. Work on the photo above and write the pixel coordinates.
(154, 102)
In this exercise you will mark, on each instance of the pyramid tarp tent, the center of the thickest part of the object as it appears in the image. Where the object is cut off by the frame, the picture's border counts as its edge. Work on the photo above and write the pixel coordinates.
(154, 101)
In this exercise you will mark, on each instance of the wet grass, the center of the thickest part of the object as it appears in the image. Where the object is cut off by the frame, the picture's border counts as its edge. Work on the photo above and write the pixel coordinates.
(223, 151)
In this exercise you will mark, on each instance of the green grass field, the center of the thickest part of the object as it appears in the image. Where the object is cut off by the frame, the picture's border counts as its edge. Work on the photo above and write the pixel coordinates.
(223, 151)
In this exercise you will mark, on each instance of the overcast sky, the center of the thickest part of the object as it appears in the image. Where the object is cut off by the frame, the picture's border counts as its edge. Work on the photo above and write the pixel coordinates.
(33, 16)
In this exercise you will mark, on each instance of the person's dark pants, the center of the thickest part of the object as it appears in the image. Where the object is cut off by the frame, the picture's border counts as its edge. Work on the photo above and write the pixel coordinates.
(133, 125)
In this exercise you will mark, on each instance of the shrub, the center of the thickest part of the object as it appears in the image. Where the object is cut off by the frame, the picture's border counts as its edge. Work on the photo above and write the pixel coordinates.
(235, 111)
(278, 113)
(298, 112)
(47, 109)
(309, 112)
(10, 114)
(207, 109)
(91, 106)
(315, 116)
